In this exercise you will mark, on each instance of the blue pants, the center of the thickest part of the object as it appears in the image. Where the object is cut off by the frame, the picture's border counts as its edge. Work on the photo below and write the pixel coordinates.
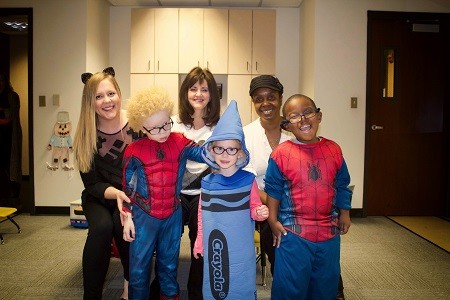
(306, 270)
(162, 236)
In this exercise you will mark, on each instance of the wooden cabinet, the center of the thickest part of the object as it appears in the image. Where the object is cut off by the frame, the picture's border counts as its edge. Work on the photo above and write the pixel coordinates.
(190, 39)
(170, 82)
(252, 41)
(215, 40)
(142, 41)
(238, 86)
(264, 42)
(154, 40)
(203, 39)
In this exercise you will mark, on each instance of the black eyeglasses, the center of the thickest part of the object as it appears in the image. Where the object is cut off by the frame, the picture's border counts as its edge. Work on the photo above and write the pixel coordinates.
(157, 129)
(307, 114)
(230, 151)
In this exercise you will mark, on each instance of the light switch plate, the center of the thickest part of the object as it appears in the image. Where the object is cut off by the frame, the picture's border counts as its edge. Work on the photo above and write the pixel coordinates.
(354, 102)
(42, 101)
(56, 100)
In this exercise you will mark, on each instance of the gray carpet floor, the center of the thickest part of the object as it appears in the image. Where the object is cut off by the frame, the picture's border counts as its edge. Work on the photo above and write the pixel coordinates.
(379, 260)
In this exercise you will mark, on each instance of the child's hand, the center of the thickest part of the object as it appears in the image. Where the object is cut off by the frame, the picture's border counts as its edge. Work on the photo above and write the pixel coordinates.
(344, 221)
(263, 211)
(128, 229)
(198, 249)
(277, 231)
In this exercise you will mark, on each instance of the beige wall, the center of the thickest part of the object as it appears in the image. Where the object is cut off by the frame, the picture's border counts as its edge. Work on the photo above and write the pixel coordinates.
(328, 62)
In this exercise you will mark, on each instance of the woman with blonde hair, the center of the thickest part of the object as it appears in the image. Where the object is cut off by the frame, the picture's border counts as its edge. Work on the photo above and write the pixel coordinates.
(99, 143)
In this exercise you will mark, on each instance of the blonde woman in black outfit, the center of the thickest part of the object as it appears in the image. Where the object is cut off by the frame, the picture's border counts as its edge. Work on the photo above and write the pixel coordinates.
(100, 140)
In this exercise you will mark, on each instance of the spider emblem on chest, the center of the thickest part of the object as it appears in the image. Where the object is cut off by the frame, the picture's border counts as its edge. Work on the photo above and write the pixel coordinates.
(160, 154)
(314, 172)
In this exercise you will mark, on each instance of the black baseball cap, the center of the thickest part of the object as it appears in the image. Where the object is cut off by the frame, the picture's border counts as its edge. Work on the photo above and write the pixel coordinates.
(267, 81)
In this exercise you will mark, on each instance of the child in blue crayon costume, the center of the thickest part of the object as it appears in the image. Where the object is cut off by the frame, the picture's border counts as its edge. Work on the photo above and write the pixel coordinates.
(229, 206)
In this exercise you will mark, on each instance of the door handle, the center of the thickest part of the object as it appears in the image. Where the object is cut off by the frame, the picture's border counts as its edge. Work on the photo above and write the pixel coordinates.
(376, 127)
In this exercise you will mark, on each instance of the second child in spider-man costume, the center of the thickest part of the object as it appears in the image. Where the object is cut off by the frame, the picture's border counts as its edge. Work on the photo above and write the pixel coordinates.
(309, 202)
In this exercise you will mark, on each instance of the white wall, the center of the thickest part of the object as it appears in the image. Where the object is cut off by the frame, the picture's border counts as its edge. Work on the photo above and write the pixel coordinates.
(331, 50)
(339, 69)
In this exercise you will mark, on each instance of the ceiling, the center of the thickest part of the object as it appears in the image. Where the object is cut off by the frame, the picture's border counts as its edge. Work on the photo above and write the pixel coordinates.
(212, 3)
(163, 3)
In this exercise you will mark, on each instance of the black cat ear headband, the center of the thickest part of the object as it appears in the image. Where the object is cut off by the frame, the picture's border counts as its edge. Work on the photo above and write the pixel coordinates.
(86, 76)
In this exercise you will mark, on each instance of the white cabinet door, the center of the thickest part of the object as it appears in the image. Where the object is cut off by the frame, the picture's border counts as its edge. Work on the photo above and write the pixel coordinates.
(166, 40)
(190, 39)
(139, 82)
(238, 86)
(240, 42)
(264, 39)
(215, 40)
(170, 83)
(142, 40)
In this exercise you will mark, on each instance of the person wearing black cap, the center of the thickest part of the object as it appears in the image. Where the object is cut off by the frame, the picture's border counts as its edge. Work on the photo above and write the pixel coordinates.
(261, 137)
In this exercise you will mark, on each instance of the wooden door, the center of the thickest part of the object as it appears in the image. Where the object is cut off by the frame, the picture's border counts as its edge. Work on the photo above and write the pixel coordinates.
(407, 132)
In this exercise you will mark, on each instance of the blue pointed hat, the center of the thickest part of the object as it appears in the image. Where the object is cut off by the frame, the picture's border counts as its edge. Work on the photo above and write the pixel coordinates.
(229, 127)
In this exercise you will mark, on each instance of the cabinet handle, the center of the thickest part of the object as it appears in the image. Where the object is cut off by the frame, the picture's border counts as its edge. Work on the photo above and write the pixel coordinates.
(207, 64)
(149, 65)
(256, 66)
(247, 66)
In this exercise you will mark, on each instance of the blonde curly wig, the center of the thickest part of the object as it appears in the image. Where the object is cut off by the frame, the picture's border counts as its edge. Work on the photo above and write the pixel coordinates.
(145, 103)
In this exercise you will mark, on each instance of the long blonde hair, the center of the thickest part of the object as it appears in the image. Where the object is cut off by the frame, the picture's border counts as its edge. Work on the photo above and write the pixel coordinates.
(85, 140)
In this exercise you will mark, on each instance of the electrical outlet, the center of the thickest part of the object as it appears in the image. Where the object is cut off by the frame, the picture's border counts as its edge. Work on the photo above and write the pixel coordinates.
(42, 101)
(353, 102)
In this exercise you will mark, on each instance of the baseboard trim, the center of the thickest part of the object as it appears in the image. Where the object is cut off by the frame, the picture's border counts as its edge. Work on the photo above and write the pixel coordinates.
(52, 210)
(356, 213)
(59, 210)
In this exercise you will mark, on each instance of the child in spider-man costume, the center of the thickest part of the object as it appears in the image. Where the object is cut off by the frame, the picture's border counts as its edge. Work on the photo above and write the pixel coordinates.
(229, 205)
(153, 170)
(309, 206)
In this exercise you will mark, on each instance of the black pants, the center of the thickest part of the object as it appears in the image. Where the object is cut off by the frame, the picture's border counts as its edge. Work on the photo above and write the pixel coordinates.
(267, 246)
(104, 224)
(190, 217)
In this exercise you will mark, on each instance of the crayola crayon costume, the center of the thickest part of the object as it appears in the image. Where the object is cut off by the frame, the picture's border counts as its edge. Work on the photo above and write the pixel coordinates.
(227, 211)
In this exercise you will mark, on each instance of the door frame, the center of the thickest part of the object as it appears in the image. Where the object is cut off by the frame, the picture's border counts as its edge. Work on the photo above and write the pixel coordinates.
(29, 13)
(391, 15)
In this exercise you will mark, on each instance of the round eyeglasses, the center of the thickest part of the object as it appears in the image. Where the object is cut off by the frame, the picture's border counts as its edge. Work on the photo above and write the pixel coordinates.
(296, 118)
(230, 151)
(157, 129)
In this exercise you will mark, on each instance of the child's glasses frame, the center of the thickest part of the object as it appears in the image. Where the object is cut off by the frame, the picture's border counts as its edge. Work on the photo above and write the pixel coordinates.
(230, 151)
(307, 114)
(157, 129)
